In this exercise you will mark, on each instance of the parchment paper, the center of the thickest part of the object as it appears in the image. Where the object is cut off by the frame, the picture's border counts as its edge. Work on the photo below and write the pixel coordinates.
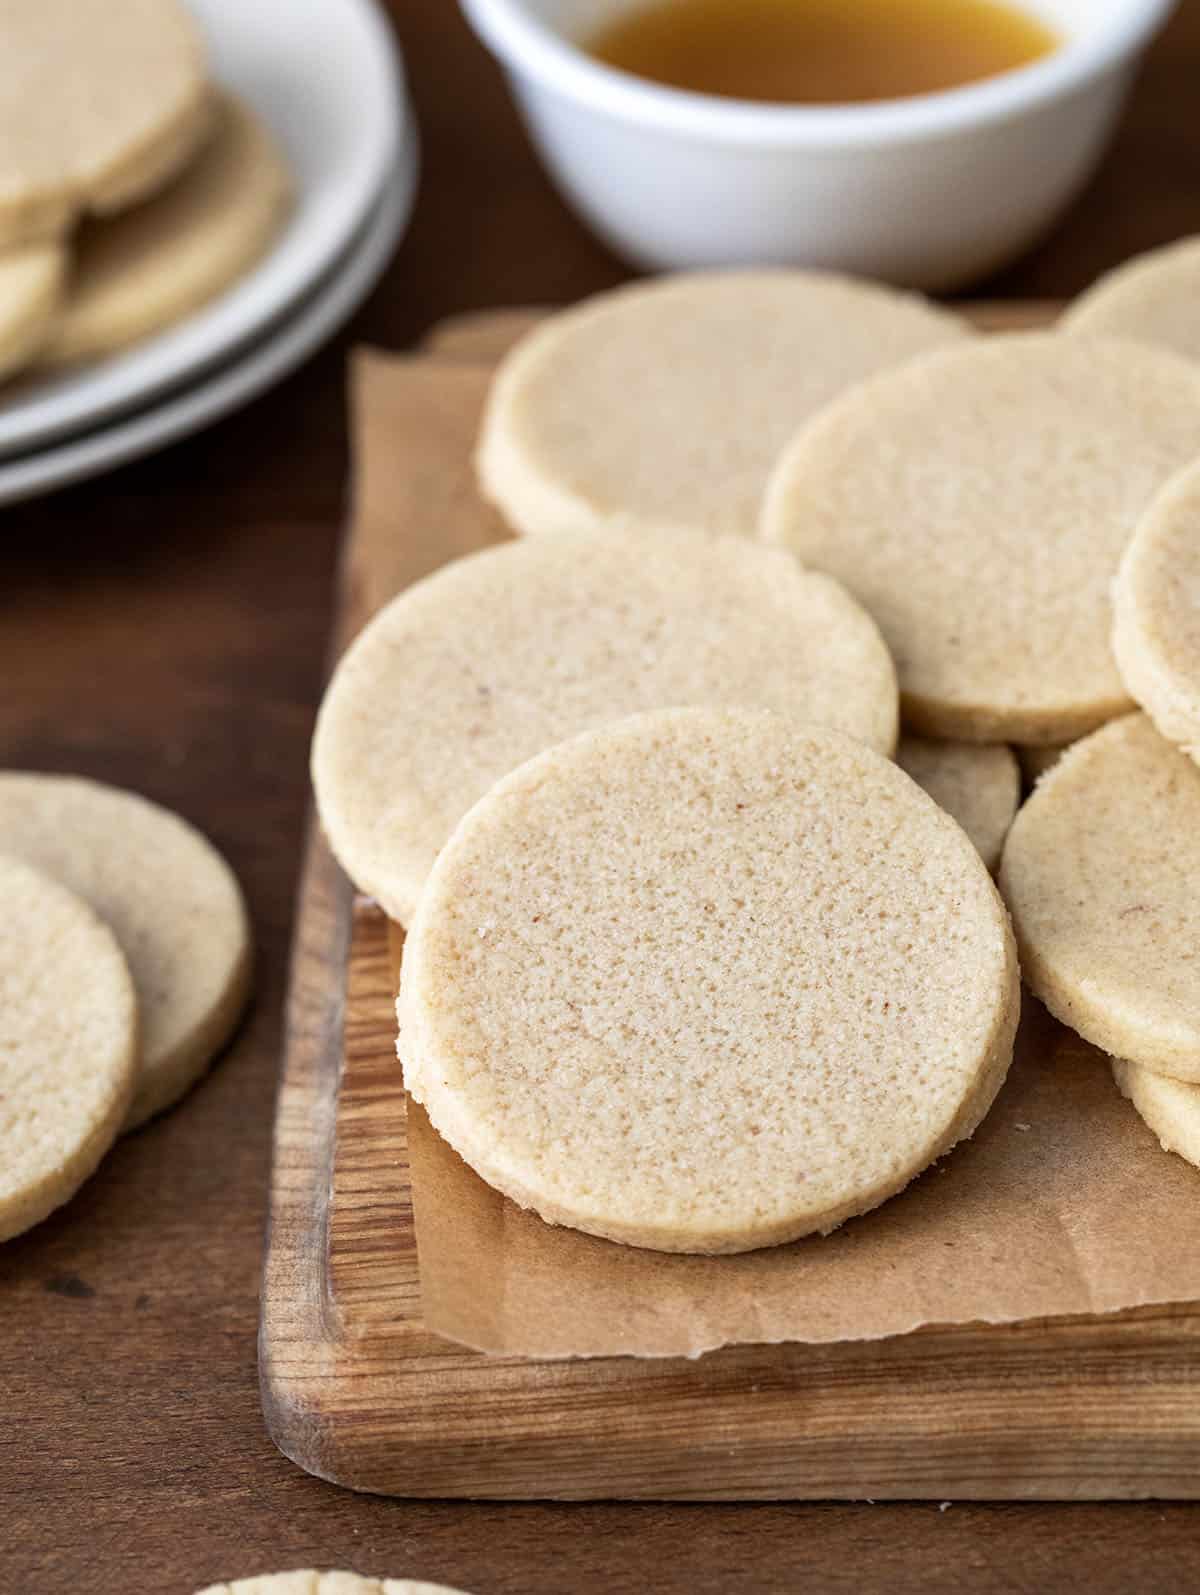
(1063, 1203)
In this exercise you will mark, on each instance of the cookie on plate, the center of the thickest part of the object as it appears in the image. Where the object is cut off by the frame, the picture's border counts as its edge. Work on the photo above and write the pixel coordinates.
(1171, 1108)
(1154, 298)
(706, 980)
(102, 101)
(31, 293)
(978, 501)
(1099, 871)
(139, 273)
(978, 784)
(500, 655)
(662, 406)
(1156, 612)
(68, 1043)
(170, 899)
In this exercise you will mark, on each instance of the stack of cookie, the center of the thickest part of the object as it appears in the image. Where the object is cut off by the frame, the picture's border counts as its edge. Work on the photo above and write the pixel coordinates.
(691, 962)
(131, 190)
(124, 966)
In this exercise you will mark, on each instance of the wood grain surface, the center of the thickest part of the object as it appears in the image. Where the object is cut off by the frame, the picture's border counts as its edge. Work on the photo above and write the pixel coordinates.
(166, 628)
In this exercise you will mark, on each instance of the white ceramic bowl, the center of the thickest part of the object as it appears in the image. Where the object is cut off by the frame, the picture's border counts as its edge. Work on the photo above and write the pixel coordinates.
(929, 191)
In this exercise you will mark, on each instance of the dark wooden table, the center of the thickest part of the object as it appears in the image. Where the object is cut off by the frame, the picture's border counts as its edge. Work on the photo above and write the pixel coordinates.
(166, 629)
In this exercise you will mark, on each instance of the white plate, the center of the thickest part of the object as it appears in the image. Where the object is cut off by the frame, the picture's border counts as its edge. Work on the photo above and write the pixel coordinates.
(280, 352)
(324, 75)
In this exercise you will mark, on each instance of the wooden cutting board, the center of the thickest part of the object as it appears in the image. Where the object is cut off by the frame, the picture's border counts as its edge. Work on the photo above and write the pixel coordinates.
(355, 1389)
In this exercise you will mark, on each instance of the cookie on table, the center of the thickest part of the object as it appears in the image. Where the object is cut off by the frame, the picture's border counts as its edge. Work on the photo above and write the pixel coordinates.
(978, 501)
(978, 784)
(662, 406)
(498, 656)
(1099, 872)
(1171, 1108)
(311, 1583)
(1156, 612)
(31, 292)
(140, 272)
(1154, 298)
(170, 899)
(706, 980)
(68, 1044)
(102, 102)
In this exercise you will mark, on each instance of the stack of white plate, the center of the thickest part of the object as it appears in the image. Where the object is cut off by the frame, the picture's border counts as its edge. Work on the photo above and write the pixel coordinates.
(325, 76)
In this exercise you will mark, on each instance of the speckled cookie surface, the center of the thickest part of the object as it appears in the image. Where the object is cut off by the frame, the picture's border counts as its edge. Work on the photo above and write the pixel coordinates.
(706, 980)
(68, 1038)
(978, 784)
(1154, 298)
(31, 291)
(1156, 612)
(169, 898)
(501, 655)
(978, 502)
(101, 101)
(310, 1583)
(137, 273)
(1171, 1108)
(1099, 872)
(662, 405)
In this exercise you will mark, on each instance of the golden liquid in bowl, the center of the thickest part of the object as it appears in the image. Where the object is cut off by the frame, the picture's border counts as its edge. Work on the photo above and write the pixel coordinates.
(822, 52)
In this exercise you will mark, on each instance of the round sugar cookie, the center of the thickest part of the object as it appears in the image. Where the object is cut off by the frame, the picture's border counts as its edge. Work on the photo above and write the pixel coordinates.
(144, 270)
(31, 290)
(101, 101)
(68, 1041)
(706, 980)
(1156, 612)
(499, 656)
(978, 784)
(1099, 872)
(978, 502)
(307, 1582)
(1171, 1108)
(1154, 298)
(170, 899)
(662, 406)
